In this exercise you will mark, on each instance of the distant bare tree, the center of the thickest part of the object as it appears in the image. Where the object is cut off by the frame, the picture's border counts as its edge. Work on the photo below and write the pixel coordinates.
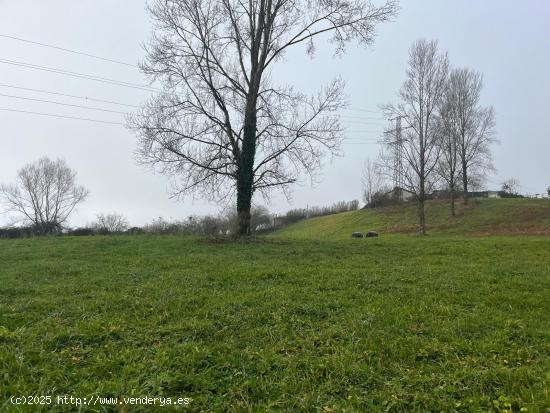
(548, 191)
(44, 195)
(372, 180)
(511, 186)
(221, 125)
(420, 96)
(474, 125)
(448, 163)
(110, 223)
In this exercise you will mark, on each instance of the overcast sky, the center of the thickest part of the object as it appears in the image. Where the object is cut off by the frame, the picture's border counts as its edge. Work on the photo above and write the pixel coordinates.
(508, 41)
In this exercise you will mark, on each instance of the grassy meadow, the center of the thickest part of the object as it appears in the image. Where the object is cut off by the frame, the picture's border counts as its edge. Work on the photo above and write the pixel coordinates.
(400, 324)
(482, 217)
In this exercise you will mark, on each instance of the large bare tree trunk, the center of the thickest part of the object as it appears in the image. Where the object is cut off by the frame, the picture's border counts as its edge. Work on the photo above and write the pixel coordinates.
(244, 198)
(245, 173)
(421, 216)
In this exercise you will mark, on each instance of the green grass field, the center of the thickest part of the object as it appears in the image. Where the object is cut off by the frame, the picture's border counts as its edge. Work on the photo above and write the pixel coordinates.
(481, 217)
(306, 319)
(445, 323)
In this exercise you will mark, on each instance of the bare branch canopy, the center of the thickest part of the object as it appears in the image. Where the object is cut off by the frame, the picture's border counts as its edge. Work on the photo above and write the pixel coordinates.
(223, 125)
(419, 99)
(45, 194)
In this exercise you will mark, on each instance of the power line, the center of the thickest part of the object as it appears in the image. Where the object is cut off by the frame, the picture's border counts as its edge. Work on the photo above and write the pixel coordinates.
(79, 75)
(60, 116)
(119, 112)
(68, 95)
(63, 104)
(135, 106)
(68, 50)
(97, 78)
(125, 113)
(142, 87)
(346, 141)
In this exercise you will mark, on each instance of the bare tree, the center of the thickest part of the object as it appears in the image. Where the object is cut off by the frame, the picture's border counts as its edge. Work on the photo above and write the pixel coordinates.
(110, 223)
(511, 187)
(44, 195)
(474, 126)
(420, 96)
(372, 180)
(222, 126)
(448, 163)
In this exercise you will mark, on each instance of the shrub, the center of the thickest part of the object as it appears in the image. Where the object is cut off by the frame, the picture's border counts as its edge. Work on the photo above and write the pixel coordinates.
(295, 215)
(17, 232)
(110, 223)
(135, 231)
(81, 232)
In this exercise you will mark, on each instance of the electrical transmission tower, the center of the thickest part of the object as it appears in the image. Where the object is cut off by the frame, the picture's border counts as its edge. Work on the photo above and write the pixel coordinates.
(396, 143)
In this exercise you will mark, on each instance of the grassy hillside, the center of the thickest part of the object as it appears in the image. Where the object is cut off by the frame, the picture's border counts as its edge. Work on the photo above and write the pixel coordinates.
(482, 217)
(452, 324)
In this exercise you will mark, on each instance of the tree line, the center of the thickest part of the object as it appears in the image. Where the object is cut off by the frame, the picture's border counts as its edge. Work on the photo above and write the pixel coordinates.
(46, 193)
(445, 133)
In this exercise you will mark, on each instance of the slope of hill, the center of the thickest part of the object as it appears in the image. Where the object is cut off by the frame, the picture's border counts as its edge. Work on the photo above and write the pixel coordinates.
(481, 217)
